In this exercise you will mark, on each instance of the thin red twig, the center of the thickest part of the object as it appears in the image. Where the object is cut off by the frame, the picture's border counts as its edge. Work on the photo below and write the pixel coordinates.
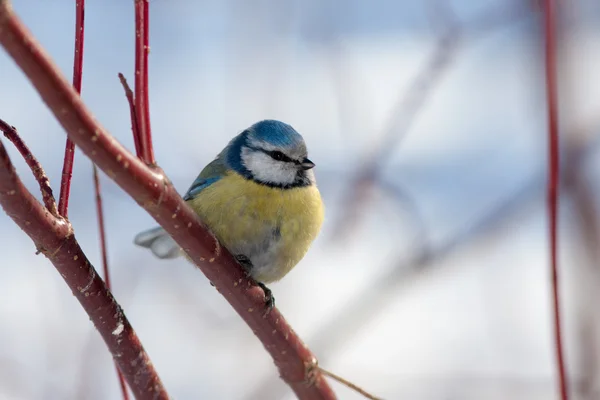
(100, 214)
(104, 253)
(53, 236)
(79, 34)
(553, 182)
(146, 51)
(40, 176)
(133, 115)
(142, 104)
(65, 183)
(349, 384)
(154, 192)
(67, 170)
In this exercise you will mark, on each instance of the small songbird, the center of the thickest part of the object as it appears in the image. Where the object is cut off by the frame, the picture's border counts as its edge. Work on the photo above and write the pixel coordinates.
(259, 198)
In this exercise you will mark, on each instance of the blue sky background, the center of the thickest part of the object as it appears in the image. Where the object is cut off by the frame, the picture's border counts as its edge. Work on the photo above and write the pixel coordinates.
(471, 324)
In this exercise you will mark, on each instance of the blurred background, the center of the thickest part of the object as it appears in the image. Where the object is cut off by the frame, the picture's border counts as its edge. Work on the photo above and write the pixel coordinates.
(427, 122)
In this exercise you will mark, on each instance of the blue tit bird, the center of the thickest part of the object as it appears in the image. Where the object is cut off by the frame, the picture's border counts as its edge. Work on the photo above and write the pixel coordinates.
(259, 198)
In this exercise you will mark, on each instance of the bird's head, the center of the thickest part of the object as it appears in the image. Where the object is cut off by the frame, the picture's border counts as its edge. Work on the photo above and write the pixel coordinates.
(271, 153)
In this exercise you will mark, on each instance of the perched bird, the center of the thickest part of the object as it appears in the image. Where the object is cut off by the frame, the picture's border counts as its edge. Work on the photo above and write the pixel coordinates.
(259, 198)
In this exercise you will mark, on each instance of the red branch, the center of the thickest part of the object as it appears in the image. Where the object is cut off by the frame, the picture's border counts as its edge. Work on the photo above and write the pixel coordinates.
(153, 191)
(40, 176)
(104, 252)
(553, 181)
(67, 174)
(67, 171)
(100, 214)
(133, 116)
(142, 104)
(69, 156)
(78, 57)
(53, 236)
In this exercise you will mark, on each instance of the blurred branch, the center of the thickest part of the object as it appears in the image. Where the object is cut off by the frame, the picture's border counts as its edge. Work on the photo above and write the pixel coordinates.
(67, 169)
(349, 384)
(441, 13)
(410, 103)
(553, 182)
(153, 191)
(406, 111)
(53, 236)
(404, 201)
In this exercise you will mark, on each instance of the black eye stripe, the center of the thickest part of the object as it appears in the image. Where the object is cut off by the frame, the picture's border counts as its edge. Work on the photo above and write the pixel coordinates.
(279, 156)
(274, 154)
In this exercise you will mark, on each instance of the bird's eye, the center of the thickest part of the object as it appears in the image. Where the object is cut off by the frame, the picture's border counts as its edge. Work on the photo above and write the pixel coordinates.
(279, 156)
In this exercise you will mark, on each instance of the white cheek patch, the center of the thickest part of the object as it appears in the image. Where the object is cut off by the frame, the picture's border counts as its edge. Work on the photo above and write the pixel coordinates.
(266, 169)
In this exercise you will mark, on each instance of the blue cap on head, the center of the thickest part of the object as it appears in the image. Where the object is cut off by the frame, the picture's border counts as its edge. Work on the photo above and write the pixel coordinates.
(275, 133)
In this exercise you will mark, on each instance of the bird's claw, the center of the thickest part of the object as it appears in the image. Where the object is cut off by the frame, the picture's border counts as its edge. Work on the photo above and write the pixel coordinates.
(247, 266)
(269, 298)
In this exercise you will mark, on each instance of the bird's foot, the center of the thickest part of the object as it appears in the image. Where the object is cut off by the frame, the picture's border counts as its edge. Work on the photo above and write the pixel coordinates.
(269, 298)
(247, 266)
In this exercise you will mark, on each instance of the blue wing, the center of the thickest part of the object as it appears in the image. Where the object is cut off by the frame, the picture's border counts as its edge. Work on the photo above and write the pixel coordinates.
(209, 175)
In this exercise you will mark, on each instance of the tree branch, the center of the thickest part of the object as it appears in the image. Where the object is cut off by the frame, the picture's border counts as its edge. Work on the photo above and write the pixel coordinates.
(40, 176)
(104, 253)
(153, 191)
(553, 182)
(410, 103)
(67, 171)
(142, 102)
(349, 384)
(133, 115)
(53, 236)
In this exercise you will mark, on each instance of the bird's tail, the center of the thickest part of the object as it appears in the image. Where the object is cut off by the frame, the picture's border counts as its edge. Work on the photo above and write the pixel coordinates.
(160, 242)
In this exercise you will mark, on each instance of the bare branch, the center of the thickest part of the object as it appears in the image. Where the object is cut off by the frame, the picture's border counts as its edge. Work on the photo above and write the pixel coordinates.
(153, 191)
(142, 103)
(104, 253)
(53, 236)
(349, 384)
(553, 182)
(67, 170)
(410, 103)
(133, 115)
(40, 176)
(405, 112)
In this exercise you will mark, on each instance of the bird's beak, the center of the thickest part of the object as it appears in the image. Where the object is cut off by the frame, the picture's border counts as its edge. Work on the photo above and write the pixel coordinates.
(307, 164)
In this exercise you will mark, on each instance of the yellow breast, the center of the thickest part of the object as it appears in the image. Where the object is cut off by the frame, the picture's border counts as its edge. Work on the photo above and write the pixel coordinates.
(271, 226)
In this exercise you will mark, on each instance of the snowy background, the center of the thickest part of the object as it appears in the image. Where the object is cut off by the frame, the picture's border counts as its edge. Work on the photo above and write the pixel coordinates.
(435, 288)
